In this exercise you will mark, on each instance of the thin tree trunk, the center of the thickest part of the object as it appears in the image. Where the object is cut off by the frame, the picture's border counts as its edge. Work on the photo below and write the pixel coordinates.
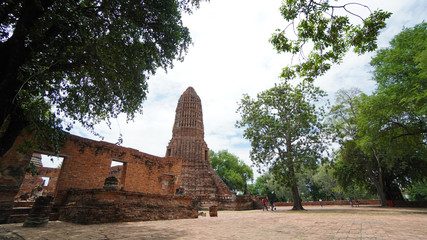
(294, 189)
(379, 184)
(293, 182)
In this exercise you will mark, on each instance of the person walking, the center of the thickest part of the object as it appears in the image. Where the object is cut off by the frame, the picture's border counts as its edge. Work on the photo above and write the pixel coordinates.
(356, 202)
(321, 202)
(272, 204)
(264, 205)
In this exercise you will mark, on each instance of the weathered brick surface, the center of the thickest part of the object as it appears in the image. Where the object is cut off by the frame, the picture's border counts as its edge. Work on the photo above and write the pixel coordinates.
(198, 176)
(87, 163)
(39, 215)
(213, 211)
(235, 203)
(30, 182)
(102, 206)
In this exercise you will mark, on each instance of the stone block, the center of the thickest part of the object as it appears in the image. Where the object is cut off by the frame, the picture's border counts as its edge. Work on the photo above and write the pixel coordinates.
(213, 211)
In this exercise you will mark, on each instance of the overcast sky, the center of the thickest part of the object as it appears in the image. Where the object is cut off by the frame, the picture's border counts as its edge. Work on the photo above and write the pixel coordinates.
(231, 56)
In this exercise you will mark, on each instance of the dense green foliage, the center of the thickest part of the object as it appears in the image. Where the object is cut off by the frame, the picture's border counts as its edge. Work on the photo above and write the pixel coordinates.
(87, 60)
(329, 30)
(313, 184)
(233, 171)
(283, 126)
(417, 191)
(260, 186)
(383, 140)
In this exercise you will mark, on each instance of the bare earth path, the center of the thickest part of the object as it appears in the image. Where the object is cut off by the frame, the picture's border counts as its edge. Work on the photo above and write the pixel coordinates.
(329, 222)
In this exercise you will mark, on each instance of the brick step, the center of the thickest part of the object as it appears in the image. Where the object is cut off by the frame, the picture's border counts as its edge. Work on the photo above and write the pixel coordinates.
(54, 216)
(20, 214)
(23, 204)
(17, 218)
(20, 218)
(21, 210)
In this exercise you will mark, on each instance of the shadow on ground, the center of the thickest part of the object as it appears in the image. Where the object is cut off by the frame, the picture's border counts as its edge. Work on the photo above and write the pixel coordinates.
(364, 210)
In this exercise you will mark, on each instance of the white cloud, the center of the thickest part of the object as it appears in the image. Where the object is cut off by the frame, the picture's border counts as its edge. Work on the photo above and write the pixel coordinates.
(231, 56)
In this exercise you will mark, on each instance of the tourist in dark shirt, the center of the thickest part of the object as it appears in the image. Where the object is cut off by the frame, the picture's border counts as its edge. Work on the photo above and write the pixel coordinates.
(272, 204)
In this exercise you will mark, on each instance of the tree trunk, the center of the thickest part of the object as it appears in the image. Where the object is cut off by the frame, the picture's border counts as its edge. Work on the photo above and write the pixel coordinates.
(15, 52)
(379, 184)
(294, 189)
(11, 126)
(392, 191)
(380, 189)
(296, 198)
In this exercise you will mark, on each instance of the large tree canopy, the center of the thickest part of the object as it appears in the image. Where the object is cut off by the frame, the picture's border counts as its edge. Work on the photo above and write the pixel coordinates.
(393, 120)
(284, 128)
(233, 171)
(89, 60)
(383, 135)
(330, 30)
(400, 72)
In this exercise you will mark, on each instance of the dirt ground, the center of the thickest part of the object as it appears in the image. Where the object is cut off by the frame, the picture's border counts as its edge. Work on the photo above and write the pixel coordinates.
(329, 222)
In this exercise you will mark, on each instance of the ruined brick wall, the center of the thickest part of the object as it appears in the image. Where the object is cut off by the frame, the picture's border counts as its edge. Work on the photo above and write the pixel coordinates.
(237, 204)
(30, 182)
(198, 176)
(225, 202)
(87, 163)
(103, 206)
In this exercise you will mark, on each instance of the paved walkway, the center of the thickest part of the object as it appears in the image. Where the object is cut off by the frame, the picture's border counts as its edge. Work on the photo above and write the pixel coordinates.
(329, 222)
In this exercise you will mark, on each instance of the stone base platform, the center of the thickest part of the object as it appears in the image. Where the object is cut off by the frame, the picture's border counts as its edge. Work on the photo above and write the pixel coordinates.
(105, 206)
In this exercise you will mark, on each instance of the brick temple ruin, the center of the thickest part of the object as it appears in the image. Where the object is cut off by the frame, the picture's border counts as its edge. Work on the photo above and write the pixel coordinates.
(198, 178)
(87, 189)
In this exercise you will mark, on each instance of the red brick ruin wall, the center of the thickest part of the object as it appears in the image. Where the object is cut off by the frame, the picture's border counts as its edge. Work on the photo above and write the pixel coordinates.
(103, 206)
(30, 182)
(233, 203)
(87, 164)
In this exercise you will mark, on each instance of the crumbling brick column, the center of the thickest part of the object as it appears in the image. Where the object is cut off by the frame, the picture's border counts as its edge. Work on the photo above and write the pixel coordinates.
(111, 183)
(39, 215)
(213, 211)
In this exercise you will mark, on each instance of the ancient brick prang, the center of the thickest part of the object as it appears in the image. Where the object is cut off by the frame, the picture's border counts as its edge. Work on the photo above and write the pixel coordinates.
(198, 177)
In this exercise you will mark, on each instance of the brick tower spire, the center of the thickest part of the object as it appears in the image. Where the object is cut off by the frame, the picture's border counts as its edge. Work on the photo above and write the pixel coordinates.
(198, 176)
